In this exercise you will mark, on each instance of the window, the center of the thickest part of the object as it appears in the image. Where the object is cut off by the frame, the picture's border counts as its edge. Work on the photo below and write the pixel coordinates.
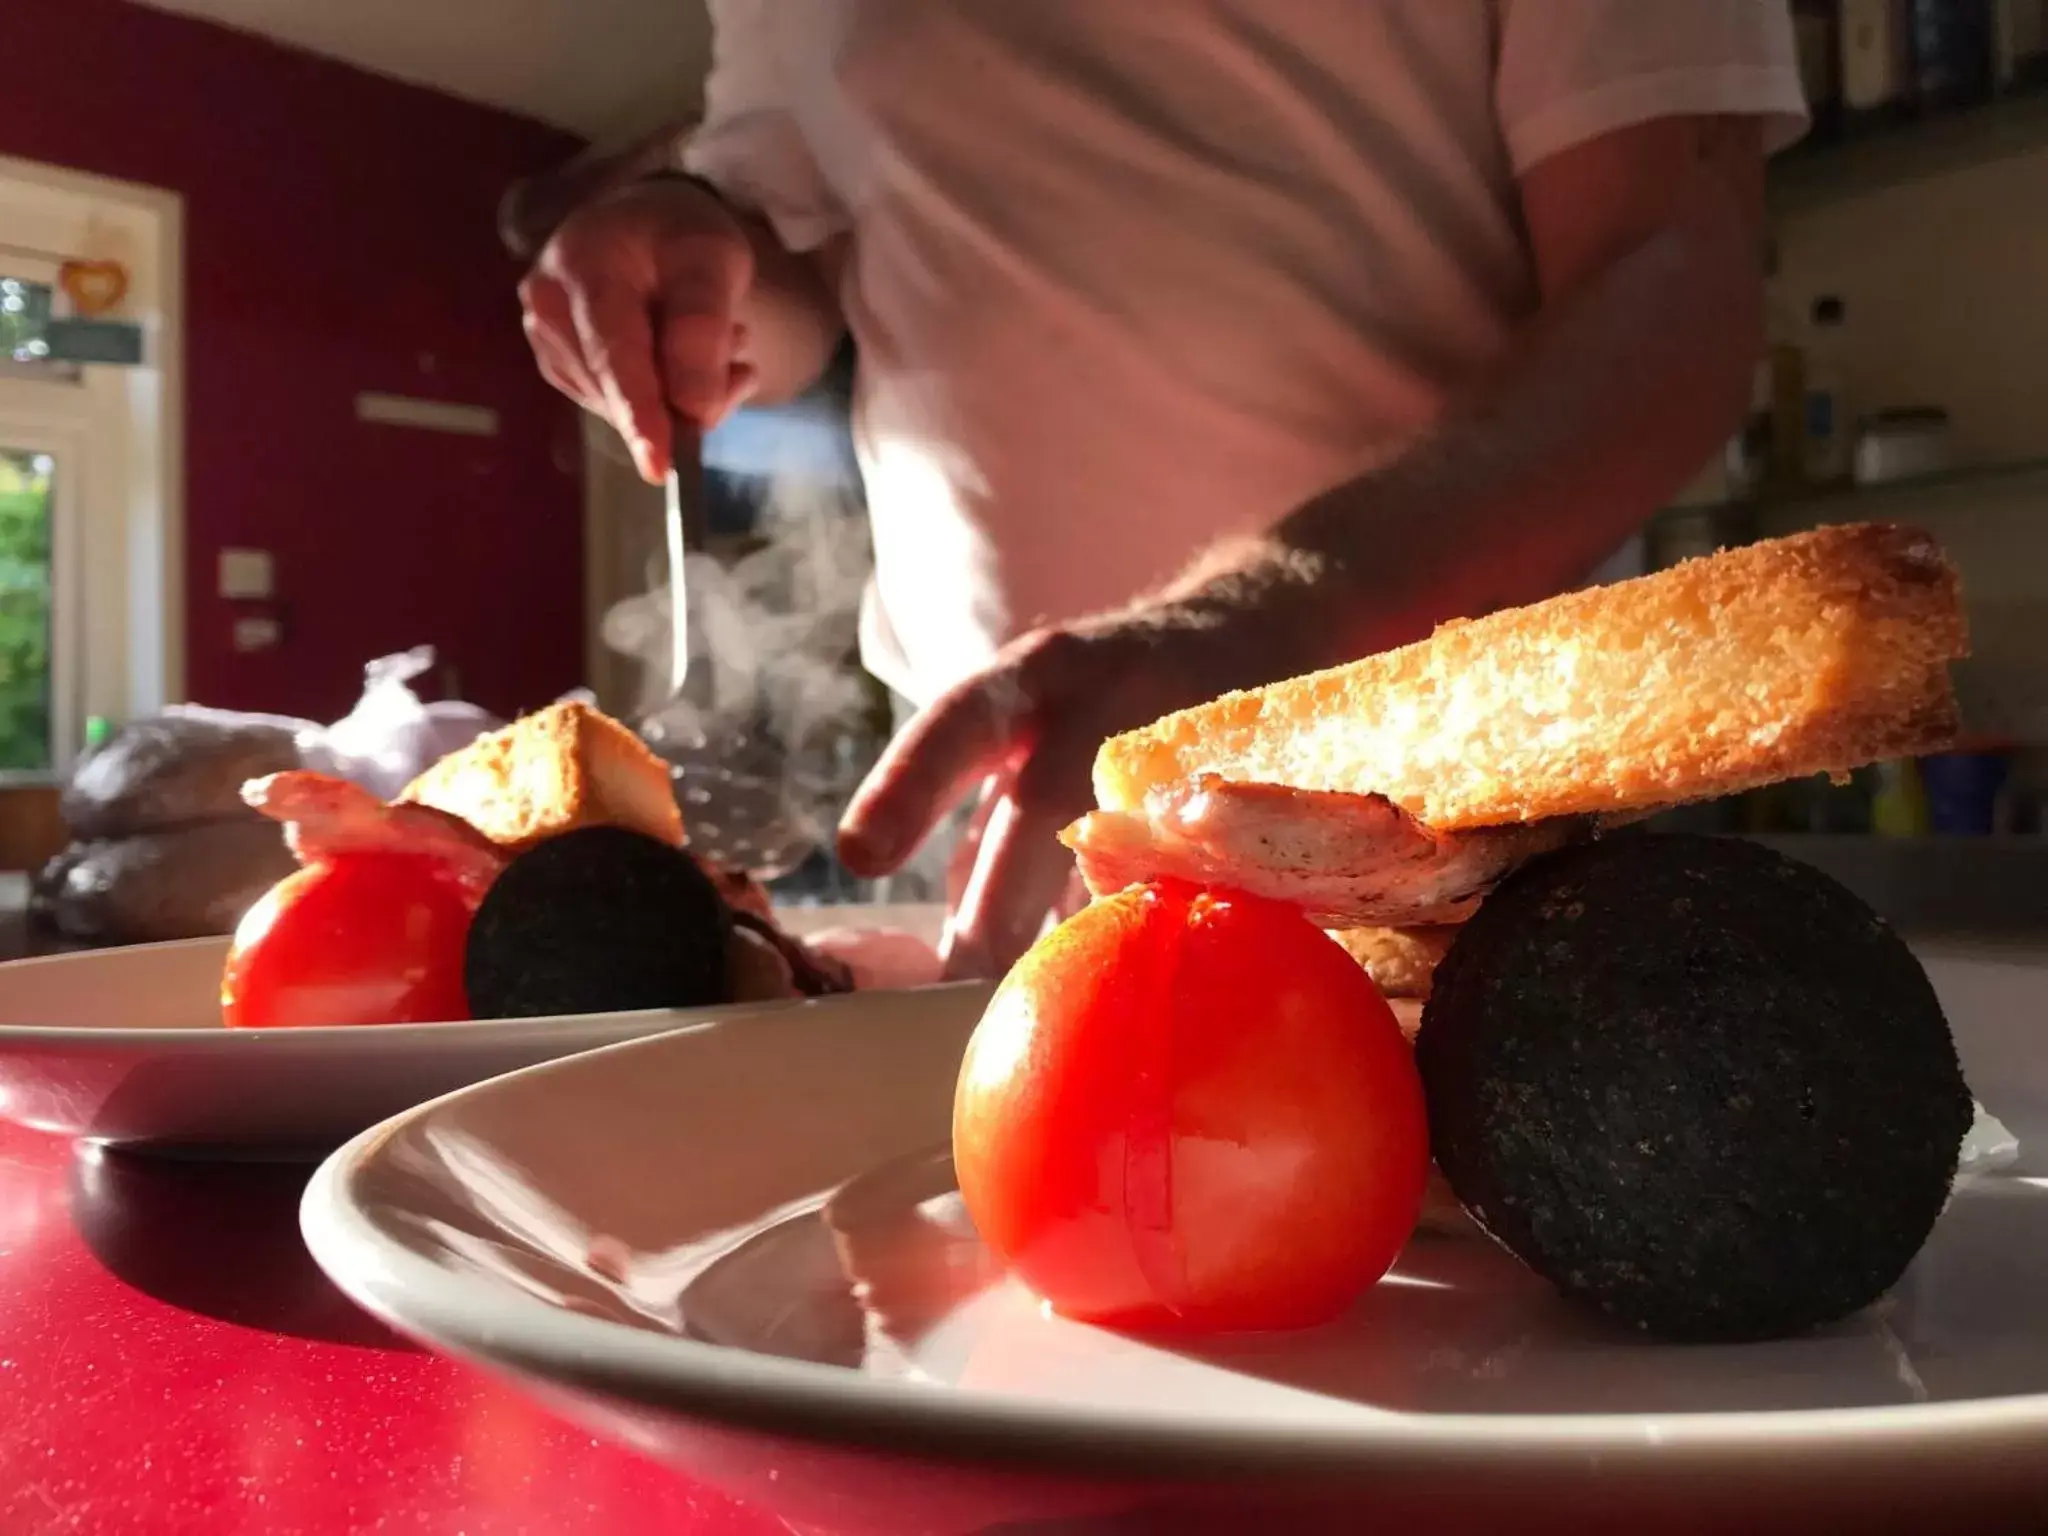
(24, 312)
(27, 499)
(26, 309)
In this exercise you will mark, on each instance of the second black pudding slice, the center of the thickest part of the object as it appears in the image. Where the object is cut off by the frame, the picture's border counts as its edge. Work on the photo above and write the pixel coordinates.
(1695, 1084)
(598, 920)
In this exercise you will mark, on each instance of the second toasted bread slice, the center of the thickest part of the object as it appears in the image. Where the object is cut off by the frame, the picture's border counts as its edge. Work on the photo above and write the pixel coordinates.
(566, 767)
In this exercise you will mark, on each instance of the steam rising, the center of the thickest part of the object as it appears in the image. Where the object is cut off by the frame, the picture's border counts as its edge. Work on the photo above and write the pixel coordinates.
(774, 697)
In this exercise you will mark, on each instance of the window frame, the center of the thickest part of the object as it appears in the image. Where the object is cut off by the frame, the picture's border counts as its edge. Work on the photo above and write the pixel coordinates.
(117, 544)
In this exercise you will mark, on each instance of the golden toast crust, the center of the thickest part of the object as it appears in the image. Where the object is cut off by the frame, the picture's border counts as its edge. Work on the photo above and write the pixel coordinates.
(1811, 654)
(567, 766)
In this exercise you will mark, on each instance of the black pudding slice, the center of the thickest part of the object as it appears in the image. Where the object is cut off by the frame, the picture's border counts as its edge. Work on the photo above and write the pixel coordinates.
(1695, 1084)
(596, 921)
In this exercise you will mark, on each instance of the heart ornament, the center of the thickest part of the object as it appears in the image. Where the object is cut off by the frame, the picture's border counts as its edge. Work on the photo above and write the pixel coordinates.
(94, 287)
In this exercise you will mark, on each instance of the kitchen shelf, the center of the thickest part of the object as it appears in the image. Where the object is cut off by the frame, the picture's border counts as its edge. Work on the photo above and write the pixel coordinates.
(1807, 179)
(1853, 502)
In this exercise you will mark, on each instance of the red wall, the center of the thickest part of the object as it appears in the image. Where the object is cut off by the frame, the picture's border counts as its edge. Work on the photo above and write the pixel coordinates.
(338, 238)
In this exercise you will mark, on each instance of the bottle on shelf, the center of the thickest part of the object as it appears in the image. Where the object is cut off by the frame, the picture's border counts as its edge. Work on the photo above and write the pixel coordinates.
(1817, 24)
(1785, 357)
(1952, 54)
(1766, 456)
(1829, 445)
(1877, 62)
(1899, 806)
(2019, 45)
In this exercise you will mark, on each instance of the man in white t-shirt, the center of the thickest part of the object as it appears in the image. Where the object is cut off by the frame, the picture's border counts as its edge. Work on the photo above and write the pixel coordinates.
(1201, 342)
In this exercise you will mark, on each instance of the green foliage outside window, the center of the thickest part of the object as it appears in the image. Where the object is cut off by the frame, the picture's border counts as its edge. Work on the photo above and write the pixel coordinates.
(24, 315)
(24, 611)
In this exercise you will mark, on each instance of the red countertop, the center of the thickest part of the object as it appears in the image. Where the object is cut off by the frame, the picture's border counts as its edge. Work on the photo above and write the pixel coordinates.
(172, 1361)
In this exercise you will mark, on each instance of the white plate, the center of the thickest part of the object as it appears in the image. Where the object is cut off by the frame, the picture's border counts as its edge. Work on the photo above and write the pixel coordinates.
(641, 1236)
(126, 1047)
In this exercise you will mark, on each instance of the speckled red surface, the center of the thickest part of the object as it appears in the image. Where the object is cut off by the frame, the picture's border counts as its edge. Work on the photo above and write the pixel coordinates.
(171, 1361)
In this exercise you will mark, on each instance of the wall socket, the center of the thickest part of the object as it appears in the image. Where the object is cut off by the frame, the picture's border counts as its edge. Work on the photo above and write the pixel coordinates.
(258, 634)
(248, 575)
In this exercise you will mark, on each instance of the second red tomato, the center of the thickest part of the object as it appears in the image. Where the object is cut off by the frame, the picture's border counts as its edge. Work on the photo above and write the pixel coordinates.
(365, 939)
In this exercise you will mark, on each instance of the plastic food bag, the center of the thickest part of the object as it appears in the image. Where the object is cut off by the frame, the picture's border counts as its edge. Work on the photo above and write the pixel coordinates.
(390, 738)
(165, 848)
(182, 767)
(185, 883)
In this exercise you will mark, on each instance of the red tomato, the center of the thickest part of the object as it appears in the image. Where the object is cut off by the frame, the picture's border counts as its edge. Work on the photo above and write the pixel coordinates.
(374, 938)
(1191, 1110)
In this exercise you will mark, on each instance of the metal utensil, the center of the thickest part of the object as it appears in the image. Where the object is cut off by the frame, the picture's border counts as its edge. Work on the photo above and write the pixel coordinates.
(685, 456)
(739, 806)
(732, 784)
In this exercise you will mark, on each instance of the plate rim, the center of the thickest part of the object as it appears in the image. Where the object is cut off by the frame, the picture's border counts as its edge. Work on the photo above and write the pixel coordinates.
(500, 1328)
(399, 1037)
(314, 1038)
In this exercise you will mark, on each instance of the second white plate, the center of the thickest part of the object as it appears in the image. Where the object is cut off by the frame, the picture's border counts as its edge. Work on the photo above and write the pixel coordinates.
(126, 1047)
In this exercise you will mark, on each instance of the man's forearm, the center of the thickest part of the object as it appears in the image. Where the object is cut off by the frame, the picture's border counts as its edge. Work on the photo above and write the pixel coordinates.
(1610, 404)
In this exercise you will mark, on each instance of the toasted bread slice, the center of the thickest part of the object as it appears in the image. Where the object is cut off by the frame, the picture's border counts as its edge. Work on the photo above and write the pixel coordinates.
(566, 767)
(1811, 654)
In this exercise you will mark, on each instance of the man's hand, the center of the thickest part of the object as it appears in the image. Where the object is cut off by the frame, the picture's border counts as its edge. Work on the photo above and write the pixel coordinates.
(1027, 729)
(634, 310)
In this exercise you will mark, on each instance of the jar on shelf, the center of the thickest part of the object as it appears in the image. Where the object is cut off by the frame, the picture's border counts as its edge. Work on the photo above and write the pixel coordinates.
(2019, 45)
(1952, 53)
(1907, 444)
